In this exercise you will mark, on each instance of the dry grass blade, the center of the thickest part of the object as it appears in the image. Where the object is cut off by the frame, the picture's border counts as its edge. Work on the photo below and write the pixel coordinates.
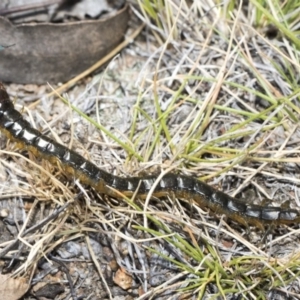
(206, 94)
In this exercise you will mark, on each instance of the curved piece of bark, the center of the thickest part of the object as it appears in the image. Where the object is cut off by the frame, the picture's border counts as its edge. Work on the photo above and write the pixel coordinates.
(56, 52)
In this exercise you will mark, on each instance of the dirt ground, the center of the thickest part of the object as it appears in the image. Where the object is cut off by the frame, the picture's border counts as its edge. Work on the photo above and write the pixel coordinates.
(70, 242)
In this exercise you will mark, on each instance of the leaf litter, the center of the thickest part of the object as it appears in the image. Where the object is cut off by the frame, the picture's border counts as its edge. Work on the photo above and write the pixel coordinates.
(169, 102)
(43, 50)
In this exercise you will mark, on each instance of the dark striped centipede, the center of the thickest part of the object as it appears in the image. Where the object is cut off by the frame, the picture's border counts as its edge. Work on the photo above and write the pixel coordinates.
(19, 130)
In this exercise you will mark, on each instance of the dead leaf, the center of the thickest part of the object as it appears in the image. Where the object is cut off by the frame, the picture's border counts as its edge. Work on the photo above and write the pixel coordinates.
(12, 288)
(122, 279)
(55, 53)
(50, 290)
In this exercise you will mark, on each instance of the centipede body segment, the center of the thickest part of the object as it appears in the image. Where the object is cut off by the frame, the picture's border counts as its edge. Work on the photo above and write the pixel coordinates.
(19, 130)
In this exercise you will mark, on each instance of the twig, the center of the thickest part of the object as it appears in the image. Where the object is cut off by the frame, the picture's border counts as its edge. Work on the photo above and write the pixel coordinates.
(66, 270)
(34, 228)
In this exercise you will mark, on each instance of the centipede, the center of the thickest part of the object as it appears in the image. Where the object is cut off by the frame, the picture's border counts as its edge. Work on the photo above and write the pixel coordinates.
(17, 129)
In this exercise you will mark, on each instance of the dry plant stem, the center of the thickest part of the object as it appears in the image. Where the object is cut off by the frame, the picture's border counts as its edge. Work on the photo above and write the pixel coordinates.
(94, 67)
(151, 294)
(95, 260)
(65, 269)
(262, 166)
(184, 187)
(34, 228)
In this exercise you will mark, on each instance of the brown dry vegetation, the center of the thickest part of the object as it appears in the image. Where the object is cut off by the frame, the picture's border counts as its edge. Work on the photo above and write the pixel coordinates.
(202, 91)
